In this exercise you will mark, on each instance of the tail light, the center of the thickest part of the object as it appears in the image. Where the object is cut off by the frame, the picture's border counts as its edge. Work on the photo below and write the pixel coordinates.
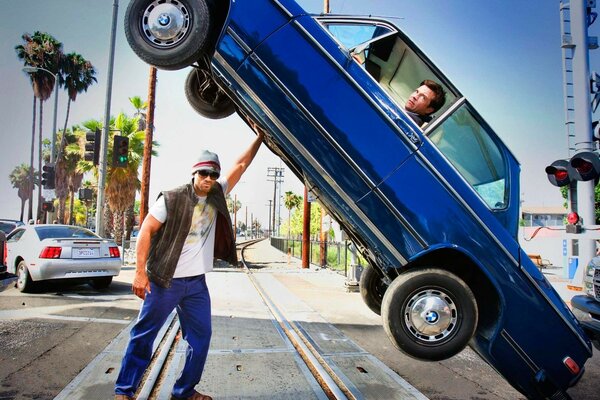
(51, 252)
(114, 252)
(4, 254)
(571, 365)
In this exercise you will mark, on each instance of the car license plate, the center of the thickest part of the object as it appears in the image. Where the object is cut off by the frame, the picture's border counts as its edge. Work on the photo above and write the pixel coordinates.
(85, 252)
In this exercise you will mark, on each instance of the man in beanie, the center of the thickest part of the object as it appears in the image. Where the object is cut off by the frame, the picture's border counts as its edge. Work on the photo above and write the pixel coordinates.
(184, 230)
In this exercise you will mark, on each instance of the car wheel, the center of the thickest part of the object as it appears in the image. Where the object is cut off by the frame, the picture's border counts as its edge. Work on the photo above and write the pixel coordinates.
(101, 283)
(206, 97)
(372, 289)
(24, 282)
(169, 34)
(429, 314)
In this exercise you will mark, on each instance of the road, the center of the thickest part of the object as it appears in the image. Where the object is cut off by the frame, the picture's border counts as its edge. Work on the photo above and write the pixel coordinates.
(49, 337)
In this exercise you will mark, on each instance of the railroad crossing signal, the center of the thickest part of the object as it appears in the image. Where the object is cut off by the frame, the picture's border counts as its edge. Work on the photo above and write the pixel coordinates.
(120, 151)
(48, 176)
(583, 166)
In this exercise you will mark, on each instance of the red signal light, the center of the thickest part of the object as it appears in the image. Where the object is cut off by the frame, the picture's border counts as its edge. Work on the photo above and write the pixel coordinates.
(572, 218)
(560, 175)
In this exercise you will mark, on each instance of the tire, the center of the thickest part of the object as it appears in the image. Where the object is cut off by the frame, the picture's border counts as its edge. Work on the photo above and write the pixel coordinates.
(372, 289)
(206, 97)
(24, 282)
(102, 282)
(429, 314)
(169, 34)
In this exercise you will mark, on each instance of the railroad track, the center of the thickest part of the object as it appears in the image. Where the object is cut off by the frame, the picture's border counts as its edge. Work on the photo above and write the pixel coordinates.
(165, 360)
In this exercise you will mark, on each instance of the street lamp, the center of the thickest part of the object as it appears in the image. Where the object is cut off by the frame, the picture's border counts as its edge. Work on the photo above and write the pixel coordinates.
(31, 70)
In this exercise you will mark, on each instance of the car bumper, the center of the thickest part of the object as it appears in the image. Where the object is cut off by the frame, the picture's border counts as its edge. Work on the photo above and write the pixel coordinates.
(587, 311)
(67, 269)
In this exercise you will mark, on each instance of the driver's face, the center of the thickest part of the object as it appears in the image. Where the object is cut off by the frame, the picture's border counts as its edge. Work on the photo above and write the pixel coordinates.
(419, 101)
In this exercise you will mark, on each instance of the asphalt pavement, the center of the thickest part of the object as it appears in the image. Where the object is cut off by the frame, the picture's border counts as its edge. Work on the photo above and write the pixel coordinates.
(249, 356)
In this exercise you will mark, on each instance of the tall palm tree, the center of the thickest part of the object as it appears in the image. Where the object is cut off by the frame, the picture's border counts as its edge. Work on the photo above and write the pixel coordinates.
(20, 178)
(291, 200)
(68, 174)
(77, 76)
(40, 50)
(140, 111)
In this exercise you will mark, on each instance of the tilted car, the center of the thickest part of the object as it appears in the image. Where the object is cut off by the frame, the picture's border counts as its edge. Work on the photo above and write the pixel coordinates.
(434, 209)
(37, 253)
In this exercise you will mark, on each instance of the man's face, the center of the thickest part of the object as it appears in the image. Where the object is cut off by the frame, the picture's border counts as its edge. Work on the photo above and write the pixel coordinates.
(203, 182)
(420, 100)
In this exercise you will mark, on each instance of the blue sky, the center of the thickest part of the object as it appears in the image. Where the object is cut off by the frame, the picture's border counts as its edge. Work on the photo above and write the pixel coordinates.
(504, 55)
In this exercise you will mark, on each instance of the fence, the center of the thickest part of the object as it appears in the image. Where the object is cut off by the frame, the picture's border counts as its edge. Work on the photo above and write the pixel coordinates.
(338, 253)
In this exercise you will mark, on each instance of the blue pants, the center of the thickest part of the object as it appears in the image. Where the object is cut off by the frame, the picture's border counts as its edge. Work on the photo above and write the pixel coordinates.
(192, 299)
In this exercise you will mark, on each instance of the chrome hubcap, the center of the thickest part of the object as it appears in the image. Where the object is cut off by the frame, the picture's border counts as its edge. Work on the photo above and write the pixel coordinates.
(21, 277)
(430, 315)
(165, 24)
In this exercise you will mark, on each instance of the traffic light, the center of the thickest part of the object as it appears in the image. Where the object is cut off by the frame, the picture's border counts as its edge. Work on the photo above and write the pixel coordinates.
(120, 151)
(48, 176)
(583, 166)
(92, 146)
(48, 206)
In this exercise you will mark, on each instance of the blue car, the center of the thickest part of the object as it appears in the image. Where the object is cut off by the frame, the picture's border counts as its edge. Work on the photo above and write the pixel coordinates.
(433, 207)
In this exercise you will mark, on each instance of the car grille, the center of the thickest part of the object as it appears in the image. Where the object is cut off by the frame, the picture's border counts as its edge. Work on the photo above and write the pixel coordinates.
(597, 284)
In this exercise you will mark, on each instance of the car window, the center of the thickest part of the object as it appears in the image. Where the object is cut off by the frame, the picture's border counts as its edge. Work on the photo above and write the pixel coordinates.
(353, 34)
(394, 63)
(15, 236)
(53, 232)
(470, 148)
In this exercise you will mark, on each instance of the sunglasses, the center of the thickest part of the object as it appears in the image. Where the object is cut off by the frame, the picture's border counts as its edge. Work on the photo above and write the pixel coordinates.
(204, 173)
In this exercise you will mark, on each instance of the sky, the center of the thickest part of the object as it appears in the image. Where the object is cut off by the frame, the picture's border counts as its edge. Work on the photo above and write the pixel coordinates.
(503, 55)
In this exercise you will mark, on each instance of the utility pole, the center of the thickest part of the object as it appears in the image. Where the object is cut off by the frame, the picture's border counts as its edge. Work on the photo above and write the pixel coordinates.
(306, 231)
(322, 235)
(270, 232)
(146, 160)
(277, 175)
(576, 17)
(105, 130)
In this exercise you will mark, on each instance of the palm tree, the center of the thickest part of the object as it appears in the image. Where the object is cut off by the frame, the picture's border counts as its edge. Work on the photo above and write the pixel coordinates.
(291, 200)
(77, 76)
(139, 105)
(68, 173)
(20, 178)
(40, 50)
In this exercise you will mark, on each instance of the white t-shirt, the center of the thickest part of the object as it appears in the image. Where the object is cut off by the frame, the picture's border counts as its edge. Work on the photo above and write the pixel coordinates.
(198, 250)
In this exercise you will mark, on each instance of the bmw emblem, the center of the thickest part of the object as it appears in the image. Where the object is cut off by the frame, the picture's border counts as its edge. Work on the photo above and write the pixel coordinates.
(431, 317)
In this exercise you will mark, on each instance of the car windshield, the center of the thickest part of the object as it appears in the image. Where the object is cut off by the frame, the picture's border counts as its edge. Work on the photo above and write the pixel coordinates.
(53, 232)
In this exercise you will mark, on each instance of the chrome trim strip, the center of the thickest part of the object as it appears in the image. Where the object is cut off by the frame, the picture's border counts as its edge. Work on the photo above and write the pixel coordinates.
(285, 10)
(437, 121)
(513, 343)
(238, 40)
(314, 162)
(569, 324)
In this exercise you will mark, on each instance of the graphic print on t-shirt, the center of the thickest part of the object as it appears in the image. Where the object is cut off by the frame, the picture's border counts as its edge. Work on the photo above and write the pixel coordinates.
(202, 220)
